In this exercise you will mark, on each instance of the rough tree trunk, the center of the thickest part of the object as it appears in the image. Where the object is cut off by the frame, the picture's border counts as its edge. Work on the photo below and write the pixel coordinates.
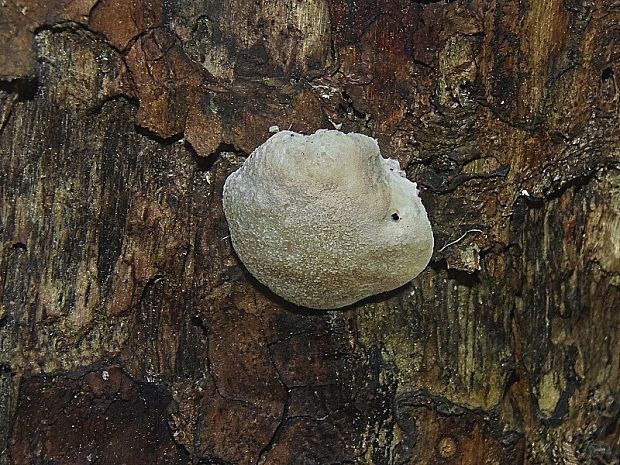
(129, 333)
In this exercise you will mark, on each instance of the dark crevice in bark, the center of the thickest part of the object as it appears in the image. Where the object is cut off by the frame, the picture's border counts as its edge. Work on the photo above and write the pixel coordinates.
(5, 368)
(577, 182)
(426, 2)
(164, 141)
(20, 246)
(275, 436)
(26, 89)
(461, 277)
(347, 110)
(148, 289)
(205, 163)
(459, 179)
(198, 322)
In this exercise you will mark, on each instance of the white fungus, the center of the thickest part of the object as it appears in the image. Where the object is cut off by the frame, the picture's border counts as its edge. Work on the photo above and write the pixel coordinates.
(324, 220)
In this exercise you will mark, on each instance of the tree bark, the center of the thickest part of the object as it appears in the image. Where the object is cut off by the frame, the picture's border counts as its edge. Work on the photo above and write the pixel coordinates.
(129, 331)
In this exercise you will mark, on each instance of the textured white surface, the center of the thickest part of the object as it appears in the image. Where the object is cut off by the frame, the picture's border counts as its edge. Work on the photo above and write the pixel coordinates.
(324, 220)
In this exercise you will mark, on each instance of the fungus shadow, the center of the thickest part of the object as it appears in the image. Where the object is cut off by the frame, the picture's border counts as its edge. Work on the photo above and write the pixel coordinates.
(313, 312)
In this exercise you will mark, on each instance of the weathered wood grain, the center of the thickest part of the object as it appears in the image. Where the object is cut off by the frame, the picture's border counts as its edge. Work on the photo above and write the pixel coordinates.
(130, 332)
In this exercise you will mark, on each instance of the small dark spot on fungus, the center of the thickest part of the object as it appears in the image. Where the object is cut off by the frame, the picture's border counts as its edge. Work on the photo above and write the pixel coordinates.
(395, 216)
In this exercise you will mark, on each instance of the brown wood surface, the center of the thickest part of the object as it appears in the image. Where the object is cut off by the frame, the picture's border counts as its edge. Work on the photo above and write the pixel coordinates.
(129, 332)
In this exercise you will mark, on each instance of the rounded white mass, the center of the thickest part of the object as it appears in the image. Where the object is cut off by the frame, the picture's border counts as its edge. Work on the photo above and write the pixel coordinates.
(324, 220)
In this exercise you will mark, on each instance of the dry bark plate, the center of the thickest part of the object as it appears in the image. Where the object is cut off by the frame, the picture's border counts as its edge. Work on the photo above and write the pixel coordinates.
(129, 332)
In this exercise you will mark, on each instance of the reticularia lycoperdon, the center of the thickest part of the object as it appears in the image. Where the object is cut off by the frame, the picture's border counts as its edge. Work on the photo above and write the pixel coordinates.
(324, 220)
